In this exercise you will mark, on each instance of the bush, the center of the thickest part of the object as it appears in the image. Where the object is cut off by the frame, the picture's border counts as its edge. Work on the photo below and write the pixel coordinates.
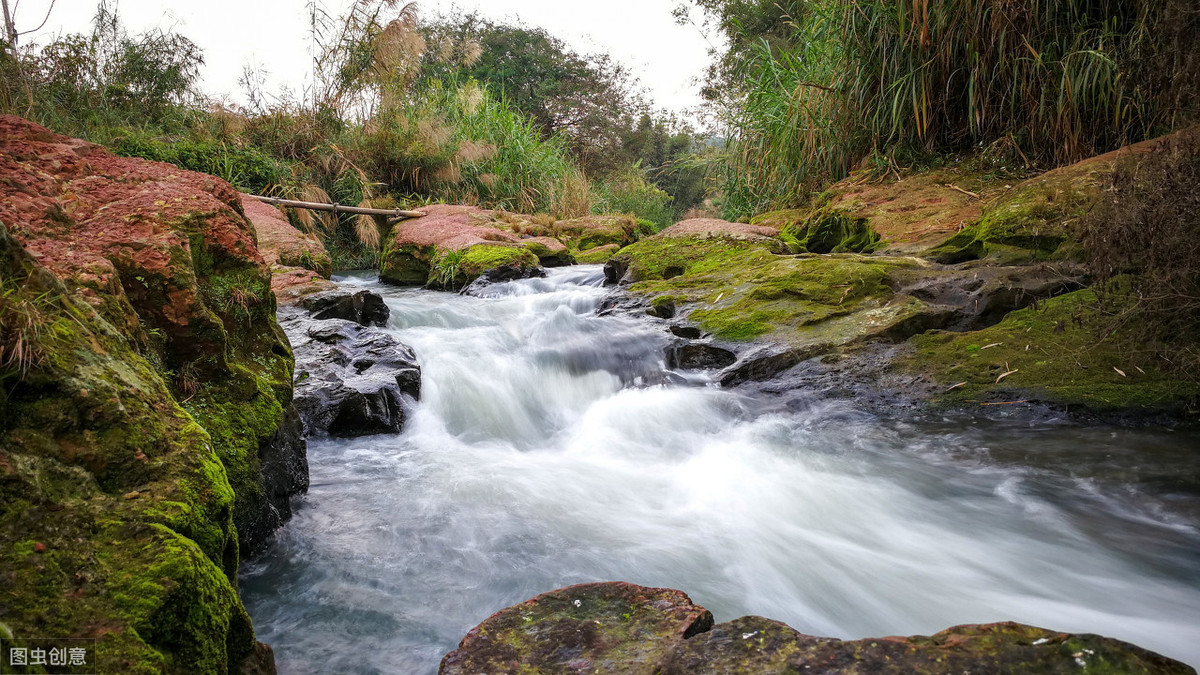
(629, 192)
(248, 169)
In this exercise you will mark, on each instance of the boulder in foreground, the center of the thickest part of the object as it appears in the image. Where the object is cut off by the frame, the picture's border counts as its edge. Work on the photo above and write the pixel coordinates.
(147, 432)
(617, 628)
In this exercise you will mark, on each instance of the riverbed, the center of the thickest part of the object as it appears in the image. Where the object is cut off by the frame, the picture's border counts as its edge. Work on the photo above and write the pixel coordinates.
(553, 446)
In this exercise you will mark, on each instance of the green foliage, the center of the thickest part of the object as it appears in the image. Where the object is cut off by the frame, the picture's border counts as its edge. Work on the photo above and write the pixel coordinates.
(590, 100)
(629, 192)
(1047, 83)
(249, 168)
(83, 84)
(447, 266)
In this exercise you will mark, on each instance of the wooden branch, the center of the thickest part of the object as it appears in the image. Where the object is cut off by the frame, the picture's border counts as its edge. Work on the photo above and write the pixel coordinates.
(965, 192)
(393, 214)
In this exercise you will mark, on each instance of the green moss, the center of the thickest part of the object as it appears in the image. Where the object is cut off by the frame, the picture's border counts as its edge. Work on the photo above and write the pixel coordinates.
(589, 232)
(456, 269)
(1060, 353)
(740, 290)
(406, 265)
(546, 256)
(1032, 221)
(313, 259)
(664, 258)
(596, 256)
(238, 424)
(830, 231)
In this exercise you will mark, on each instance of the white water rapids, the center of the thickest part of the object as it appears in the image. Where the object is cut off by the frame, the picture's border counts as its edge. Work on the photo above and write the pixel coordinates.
(546, 450)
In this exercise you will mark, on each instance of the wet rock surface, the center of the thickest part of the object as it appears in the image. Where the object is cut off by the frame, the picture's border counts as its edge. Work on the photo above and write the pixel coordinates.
(351, 379)
(363, 307)
(617, 627)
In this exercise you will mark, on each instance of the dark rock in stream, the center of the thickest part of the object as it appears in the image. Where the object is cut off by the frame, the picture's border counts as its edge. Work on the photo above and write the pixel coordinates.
(284, 467)
(501, 274)
(364, 307)
(699, 356)
(617, 627)
(351, 379)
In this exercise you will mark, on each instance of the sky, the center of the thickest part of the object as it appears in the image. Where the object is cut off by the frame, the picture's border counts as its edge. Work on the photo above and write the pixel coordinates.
(273, 35)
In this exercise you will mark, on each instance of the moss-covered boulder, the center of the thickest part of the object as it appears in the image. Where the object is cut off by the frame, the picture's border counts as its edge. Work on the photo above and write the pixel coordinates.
(598, 255)
(451, 246)
(621, 628)
(907, 214)
(740, 290)
(1063, 352)
(550, 252)
(611, 627)
(146, 425)
(824, 231)
(1037, 219)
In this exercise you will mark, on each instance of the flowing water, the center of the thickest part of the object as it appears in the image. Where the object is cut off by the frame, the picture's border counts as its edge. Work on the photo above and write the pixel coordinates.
(551, 447)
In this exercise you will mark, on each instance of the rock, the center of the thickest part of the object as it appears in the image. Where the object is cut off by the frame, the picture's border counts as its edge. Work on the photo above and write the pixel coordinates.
(610, 627)
(1034, 219)
(662, 307)
(689, 332)
(501, 274)
(598, 255)
(283, 245)
(908, 215)
(705, 228)
(550, 252)
(1052, 355)
(590, 233)
(699, 356)
(620, 628)
(450, 247)
(351, 380)
(753, 644)
(151, 365)
(363, 307)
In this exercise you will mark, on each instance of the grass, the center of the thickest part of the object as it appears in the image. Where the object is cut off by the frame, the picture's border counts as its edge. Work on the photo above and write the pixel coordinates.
(884, 83)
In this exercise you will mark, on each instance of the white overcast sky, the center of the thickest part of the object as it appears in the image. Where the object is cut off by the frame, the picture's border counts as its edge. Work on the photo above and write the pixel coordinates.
(273, 34)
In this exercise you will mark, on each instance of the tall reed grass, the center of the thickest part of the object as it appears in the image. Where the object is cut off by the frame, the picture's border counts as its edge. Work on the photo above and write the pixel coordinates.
(1047, 82)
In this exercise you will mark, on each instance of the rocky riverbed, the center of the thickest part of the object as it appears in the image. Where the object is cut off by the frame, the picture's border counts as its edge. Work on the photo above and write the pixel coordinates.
(768, 415)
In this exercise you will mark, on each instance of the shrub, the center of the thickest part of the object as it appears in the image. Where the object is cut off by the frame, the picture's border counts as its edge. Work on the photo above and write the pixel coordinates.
(248, 169)
(629, 192)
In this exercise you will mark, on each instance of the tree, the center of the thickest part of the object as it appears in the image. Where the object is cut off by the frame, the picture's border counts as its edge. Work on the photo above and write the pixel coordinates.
(590, 99)
(11, 34)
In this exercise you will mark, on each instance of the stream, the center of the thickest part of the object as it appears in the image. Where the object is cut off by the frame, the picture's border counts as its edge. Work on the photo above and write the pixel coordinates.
(551, 447)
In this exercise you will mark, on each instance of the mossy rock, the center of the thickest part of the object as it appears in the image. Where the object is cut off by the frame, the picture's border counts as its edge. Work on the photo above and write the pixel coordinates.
(830, 231)
(453, 270)
(1035, 219)
(910, 212)
(739, 290)
(550, 252)
(624, 629)
(589, 232)
(1061, 353)
(596, 256)
(315, 261)
(406, 265)
(116, 514)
